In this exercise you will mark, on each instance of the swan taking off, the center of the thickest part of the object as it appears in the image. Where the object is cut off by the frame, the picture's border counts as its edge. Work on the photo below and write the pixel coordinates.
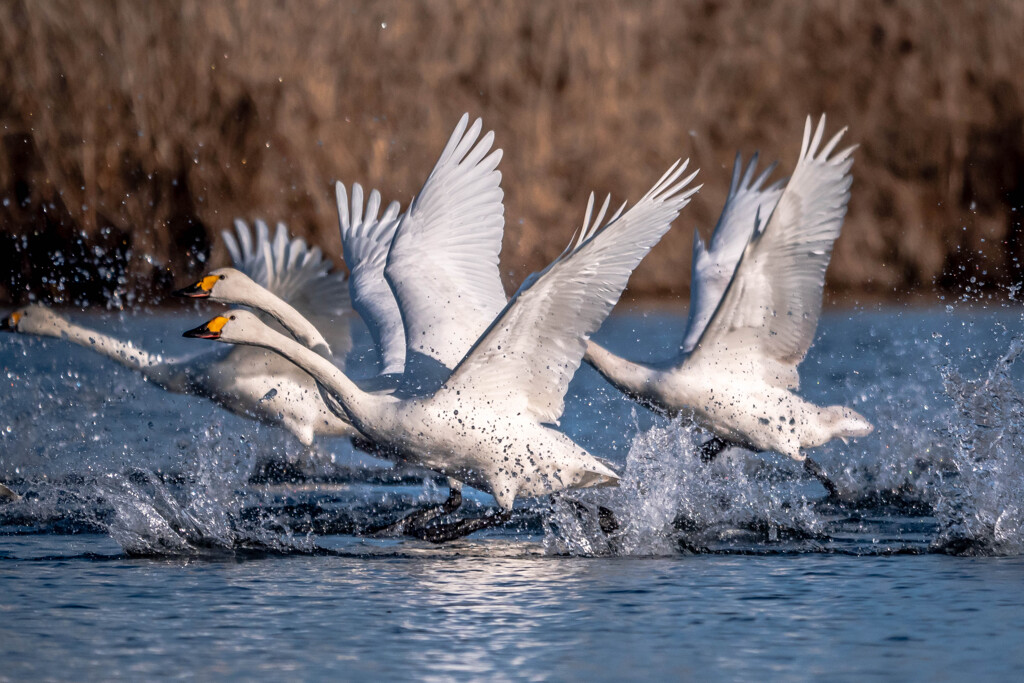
(487, 424)
(246, 381)
(747, 332)
(460, 206)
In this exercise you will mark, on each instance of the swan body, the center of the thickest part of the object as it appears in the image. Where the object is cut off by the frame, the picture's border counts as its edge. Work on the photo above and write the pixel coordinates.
(486, 449)
(488, 424)
(246, 381)
(748, 332)
(462, 196)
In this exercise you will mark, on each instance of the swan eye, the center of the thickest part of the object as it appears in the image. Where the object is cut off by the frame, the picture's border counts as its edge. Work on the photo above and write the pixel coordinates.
(221, 277)
(231, 318)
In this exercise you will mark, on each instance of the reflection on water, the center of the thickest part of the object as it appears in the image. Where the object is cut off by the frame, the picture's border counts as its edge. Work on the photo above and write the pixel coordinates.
(522, 617)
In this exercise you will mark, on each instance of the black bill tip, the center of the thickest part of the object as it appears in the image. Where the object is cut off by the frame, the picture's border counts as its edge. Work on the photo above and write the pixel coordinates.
(201, 332)
(208, 330)
(193, 291)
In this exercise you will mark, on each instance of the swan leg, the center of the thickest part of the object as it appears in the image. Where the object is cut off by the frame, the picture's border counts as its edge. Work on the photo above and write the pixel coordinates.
(815, 470)
(710, 449)
(441, 533)
(606, 518)
(415, 521)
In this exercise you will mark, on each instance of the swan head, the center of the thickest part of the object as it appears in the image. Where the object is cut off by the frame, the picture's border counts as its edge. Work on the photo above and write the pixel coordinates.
(34, 319)
(234, 327)
(224, 285)
(10, 323)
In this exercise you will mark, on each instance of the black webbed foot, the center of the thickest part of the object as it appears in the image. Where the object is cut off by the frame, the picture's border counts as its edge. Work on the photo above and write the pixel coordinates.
(415, 521)
(442, 533)
(815, 470)
(606, 518)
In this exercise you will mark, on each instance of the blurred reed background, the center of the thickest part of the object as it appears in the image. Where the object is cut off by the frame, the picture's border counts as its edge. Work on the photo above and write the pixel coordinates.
(133, 133)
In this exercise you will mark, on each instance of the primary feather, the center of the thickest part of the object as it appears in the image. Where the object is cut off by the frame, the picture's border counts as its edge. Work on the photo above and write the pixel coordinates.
(443, 262)
(365, 240)
(531, 351)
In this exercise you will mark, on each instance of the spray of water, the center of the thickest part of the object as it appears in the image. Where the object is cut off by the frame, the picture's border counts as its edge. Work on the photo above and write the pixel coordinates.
(669, 501)
(980, 503)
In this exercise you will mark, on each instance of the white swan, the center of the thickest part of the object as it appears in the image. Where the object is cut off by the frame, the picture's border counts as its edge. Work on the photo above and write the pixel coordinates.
(245, 381)
(294, 277)
(457, 218)
(460, 204)
(748, 332)
(487, 424)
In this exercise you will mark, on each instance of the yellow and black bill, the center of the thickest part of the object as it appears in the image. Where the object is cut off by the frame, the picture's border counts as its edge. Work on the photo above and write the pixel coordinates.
(10, 323)
(200, 289)
(208, 330)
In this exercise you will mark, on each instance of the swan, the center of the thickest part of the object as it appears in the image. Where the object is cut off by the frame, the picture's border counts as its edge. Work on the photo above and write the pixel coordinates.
(756, 301)
(246, 381)
(463, 194)
(284, 266)
(489, 422)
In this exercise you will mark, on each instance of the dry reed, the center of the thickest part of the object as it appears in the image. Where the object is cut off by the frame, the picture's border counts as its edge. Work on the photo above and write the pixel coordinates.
(146, 127)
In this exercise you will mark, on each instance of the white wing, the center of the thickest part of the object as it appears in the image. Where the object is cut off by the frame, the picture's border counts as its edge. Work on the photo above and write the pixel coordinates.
(712, 269)
(769, 313)
(365, 240)
(527, 357)
(443, 263)
(298, 274)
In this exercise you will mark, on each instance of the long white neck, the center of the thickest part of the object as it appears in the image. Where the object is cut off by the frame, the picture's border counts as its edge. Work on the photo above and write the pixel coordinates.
(360, 406)
(632, 379)
(293, 321)
(152, 366)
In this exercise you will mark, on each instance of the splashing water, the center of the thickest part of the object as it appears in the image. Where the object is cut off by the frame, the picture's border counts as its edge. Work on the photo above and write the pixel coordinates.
(942, 472)
(669, 501)
(151, 512)
(980, 503)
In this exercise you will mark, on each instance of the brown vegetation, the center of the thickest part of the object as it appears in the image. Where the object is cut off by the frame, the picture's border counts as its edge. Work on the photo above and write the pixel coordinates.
(148, 126)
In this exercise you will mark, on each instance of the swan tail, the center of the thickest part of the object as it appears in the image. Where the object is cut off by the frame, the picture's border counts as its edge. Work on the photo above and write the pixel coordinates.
(599, 474)
(847, 423)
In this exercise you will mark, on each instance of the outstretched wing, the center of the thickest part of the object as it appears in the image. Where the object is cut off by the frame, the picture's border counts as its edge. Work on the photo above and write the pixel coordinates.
(299, 274)
(365, 241)
(769, 313)
(528, 356)
(443, 262)
(712, 268)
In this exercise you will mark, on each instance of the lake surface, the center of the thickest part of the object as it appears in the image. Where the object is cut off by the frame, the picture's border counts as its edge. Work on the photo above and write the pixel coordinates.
(158, 535)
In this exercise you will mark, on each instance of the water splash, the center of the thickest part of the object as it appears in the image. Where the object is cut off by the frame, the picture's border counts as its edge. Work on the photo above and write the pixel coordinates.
(669, 501)
(201, 506)
(980, 503)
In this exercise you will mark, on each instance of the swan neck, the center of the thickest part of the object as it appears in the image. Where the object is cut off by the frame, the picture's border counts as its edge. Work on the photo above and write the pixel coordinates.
(356, 403)
(293, 321)
(124, 352)
(628, 377)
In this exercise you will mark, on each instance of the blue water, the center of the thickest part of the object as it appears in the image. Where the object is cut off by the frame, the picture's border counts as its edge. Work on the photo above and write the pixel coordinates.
(143, 546)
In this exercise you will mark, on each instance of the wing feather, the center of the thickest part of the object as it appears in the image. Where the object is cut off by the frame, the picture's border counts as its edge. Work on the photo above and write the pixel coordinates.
(770, 309)
(443, 261)
(526, 359)
(712, 267)
(365, 240)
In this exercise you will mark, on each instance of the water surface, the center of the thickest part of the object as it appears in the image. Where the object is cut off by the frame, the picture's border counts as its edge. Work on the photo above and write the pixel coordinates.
(147, 543)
